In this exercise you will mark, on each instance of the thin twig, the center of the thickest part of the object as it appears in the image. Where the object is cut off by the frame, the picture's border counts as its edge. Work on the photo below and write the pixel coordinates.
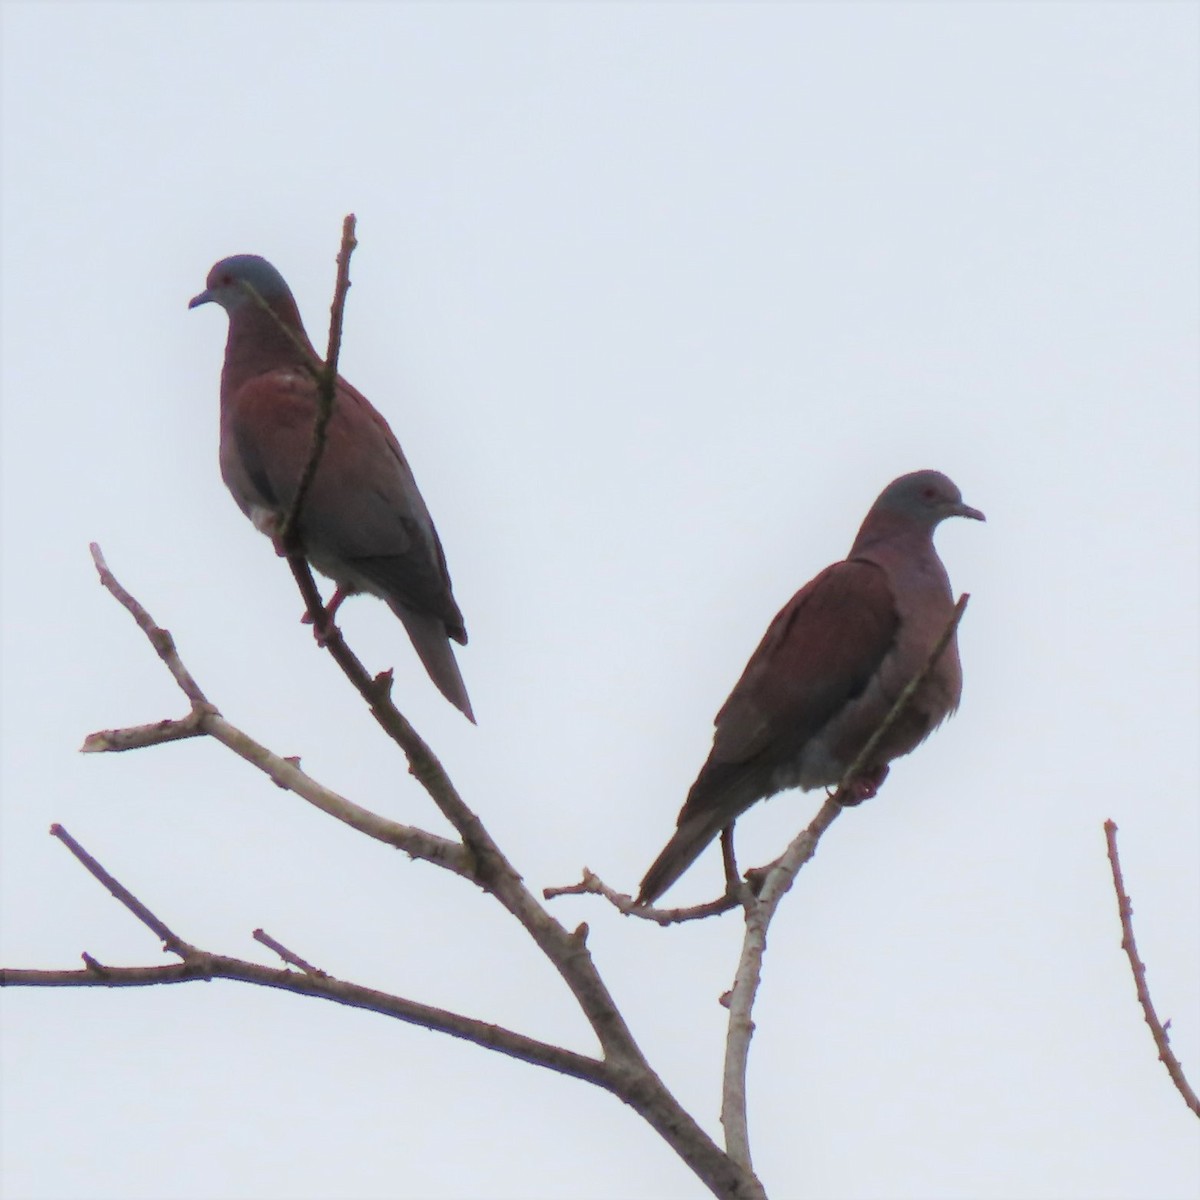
(327, 381)
(760, 910)
(160, 639)
(1158, 1029)
(338, 308)
(171, 940)
(592, 885)
(287, 955)
(307, 355)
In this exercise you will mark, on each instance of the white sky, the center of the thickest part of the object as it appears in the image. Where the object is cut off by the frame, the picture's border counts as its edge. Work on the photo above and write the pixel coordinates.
(657, 298)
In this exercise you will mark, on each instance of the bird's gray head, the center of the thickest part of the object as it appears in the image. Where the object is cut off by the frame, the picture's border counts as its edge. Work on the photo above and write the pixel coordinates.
(926, 497)
(228, 281)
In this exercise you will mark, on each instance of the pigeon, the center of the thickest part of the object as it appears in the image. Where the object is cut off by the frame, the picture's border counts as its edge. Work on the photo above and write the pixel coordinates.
(828, 671)
(363, 521)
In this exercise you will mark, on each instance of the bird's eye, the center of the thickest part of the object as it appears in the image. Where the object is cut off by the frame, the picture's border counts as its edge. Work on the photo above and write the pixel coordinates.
(928, 492)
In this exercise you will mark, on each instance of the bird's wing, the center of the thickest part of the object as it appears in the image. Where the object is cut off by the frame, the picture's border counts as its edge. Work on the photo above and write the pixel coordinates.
(817, 656)
(363, 509)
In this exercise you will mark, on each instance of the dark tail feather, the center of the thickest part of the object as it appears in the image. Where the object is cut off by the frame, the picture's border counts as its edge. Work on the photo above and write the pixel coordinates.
(432, 645)
(689, 842)
(721, 793)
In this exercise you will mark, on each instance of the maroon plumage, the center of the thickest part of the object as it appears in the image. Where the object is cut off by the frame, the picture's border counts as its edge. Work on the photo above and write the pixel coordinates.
(364, 523)
(828, 671)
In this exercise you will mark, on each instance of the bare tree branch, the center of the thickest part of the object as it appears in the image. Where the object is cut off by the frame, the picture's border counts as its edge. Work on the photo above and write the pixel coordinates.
(201, 964)
(171, 941)
(204, 966)
(592, 885)
(206, 720)
(138, 737)
(491, 869)
(341, 287)
(287, 955)
(159, 638)
(1158, 1029)
(629, 1074)
(326, 391)
(630, 1081)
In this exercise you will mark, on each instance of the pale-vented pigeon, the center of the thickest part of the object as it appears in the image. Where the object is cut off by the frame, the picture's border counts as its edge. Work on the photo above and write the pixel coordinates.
(828, 671)
(363, 523)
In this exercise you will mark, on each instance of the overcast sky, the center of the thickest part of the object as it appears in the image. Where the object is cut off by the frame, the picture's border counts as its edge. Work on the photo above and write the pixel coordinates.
(657, 299)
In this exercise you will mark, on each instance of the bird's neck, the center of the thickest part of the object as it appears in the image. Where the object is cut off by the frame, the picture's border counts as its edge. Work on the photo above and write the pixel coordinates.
(893, 533)
(259, 342)
(904, 549)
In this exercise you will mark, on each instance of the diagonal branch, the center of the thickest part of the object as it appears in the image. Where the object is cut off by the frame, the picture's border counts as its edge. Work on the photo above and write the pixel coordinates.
(761, 908)
(171, 941)
(1158, 1029)
(288, 956)
(308, 981)
(159, 638)
(490, 867)
(206, 720)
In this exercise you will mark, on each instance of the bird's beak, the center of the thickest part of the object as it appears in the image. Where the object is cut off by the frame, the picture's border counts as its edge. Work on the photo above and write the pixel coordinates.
(959, 510)
(205, 297)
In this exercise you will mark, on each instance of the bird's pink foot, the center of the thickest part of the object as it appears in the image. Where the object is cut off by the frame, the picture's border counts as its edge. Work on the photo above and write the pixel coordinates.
(863, 787)
(331, 608)
(324, 626)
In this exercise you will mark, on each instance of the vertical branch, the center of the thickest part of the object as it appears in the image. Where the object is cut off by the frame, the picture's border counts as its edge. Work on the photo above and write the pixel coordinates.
(760, 910)
(338, 307)
(326, 390)
(1157, 1028)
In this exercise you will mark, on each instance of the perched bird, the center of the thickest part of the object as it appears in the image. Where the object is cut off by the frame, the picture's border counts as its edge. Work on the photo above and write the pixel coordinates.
(363, 521)
(828, 672)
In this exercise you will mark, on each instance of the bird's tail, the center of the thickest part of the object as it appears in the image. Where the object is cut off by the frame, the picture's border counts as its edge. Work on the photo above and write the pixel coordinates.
(721, 793)
(687, 844)
(429, 639)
